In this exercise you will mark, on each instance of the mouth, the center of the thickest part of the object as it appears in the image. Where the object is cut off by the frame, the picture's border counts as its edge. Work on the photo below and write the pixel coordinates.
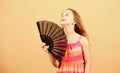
(62, 19)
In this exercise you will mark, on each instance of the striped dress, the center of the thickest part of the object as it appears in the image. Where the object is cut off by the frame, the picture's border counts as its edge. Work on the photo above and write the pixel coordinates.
(73, 61)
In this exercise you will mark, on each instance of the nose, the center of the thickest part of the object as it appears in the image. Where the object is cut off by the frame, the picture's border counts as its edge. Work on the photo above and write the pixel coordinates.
(62, 16)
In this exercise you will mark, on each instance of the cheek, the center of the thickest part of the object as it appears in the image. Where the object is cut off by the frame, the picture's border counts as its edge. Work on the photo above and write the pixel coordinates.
(70, 20)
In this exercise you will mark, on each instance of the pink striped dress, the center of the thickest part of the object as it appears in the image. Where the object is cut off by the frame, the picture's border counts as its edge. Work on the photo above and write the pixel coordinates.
(73, 61)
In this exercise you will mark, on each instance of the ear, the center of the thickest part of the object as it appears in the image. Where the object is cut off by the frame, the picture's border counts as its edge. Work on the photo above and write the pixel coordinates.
(74, 22)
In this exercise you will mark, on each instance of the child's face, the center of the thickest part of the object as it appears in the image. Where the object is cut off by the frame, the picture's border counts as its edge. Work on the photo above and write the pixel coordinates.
(67, 18)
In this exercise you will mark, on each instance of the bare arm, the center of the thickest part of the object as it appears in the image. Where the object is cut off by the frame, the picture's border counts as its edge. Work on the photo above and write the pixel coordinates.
(54, 62)
(86, 51)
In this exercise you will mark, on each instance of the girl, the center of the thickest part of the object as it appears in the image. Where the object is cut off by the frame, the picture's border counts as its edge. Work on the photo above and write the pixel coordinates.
(77, 55)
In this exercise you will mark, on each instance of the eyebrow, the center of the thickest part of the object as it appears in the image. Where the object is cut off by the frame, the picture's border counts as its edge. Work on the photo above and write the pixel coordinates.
(63, 13)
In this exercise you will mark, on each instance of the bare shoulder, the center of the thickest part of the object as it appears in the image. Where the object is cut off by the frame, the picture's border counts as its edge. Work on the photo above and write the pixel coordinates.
(84, 41)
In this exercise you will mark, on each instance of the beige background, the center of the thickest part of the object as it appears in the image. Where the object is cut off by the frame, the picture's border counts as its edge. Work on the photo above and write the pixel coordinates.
(20, 50)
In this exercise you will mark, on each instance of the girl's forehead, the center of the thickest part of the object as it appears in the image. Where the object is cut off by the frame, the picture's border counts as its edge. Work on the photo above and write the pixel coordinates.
(67, 11)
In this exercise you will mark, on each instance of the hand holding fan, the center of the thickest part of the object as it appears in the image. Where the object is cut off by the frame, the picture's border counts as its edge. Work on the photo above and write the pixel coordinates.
(54, 36)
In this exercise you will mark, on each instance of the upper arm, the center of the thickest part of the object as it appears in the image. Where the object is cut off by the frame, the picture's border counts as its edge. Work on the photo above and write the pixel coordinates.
(86, 49)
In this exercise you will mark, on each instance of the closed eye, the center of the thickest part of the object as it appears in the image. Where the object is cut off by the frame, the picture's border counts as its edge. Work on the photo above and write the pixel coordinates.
(66, 14)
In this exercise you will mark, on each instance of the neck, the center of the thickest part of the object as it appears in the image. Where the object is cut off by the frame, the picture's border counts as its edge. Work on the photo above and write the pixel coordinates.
(69, 31)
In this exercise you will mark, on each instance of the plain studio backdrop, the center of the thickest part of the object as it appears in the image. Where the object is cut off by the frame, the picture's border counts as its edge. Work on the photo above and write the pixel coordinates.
(20, 45)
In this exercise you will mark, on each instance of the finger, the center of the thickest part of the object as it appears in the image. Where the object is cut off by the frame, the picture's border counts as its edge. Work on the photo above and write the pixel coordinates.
(45, 48)
(43, 44)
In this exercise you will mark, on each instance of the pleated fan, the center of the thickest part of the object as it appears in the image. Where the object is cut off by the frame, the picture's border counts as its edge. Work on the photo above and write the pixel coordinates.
(54, 36)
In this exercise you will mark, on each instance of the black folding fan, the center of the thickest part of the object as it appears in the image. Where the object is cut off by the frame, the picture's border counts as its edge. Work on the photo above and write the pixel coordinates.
(54, 36)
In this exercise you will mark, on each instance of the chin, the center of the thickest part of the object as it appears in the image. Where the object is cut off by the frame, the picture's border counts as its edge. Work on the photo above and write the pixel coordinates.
(63, 23)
